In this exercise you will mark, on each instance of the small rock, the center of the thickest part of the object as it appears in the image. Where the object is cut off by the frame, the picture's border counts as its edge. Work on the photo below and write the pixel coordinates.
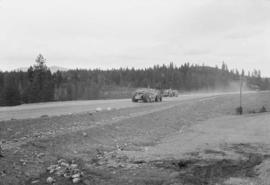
(76, 176)
(84, 134)
(60, 160)
(66, 175)
(146, 149)
(24, 138)
(174, 175)
(98, 109)
(57, 168)
(17, 133)
(40, 155)
(50, 180)
(60, 172)
(87, 182)
(73, 166)
(52, 167)
(64, 164)
(40, 161)
(76, 180)
(23, 161)
(35, 181)
(3, 173)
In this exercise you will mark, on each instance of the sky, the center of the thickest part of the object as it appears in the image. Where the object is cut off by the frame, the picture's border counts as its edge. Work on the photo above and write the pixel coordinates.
(109, 34)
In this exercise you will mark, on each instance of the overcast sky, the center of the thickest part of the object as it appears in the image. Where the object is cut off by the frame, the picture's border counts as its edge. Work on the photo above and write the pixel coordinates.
(135, 33)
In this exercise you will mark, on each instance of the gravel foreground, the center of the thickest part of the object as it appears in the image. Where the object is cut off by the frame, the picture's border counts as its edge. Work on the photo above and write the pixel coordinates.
(194, 141)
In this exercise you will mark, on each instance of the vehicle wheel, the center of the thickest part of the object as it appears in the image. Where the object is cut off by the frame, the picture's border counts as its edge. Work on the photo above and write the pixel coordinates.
(156, 99)
(134, 100)
(160, 99)
(146, 99)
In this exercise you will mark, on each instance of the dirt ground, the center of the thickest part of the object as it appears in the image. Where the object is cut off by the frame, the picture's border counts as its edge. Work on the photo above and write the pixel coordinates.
(189, 141)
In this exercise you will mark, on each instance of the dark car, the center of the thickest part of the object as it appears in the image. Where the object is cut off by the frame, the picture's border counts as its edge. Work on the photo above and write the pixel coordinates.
(170, 93)
(147, 95)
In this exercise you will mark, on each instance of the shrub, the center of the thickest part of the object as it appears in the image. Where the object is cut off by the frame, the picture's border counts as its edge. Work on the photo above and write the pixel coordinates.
(263, 109)
(239, 110)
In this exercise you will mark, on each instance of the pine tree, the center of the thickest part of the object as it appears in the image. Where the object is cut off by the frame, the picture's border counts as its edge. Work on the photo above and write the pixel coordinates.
(41, 87)
(10, 94)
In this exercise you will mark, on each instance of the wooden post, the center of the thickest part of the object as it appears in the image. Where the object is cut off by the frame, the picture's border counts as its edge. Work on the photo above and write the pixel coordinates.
(241, 85)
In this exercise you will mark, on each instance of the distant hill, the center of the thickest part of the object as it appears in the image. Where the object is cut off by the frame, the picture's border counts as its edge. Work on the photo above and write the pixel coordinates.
(53, 69)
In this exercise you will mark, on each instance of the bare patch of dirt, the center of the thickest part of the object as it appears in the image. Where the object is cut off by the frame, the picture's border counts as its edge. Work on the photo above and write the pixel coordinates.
(198, 171)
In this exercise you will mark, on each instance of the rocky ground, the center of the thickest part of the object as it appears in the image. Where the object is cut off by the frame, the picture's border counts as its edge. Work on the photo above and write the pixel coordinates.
(193, 141)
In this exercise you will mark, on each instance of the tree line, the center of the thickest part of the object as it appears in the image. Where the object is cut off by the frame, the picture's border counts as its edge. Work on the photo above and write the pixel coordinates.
(38, 84)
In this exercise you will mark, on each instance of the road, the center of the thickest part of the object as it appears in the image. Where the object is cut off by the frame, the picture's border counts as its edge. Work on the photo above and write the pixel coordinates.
(36, 110)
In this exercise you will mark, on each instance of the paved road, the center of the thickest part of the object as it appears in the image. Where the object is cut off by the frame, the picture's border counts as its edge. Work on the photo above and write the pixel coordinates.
(68, 107)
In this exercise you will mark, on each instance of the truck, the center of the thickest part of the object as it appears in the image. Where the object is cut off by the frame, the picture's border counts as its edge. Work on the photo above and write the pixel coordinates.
(170, 93)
